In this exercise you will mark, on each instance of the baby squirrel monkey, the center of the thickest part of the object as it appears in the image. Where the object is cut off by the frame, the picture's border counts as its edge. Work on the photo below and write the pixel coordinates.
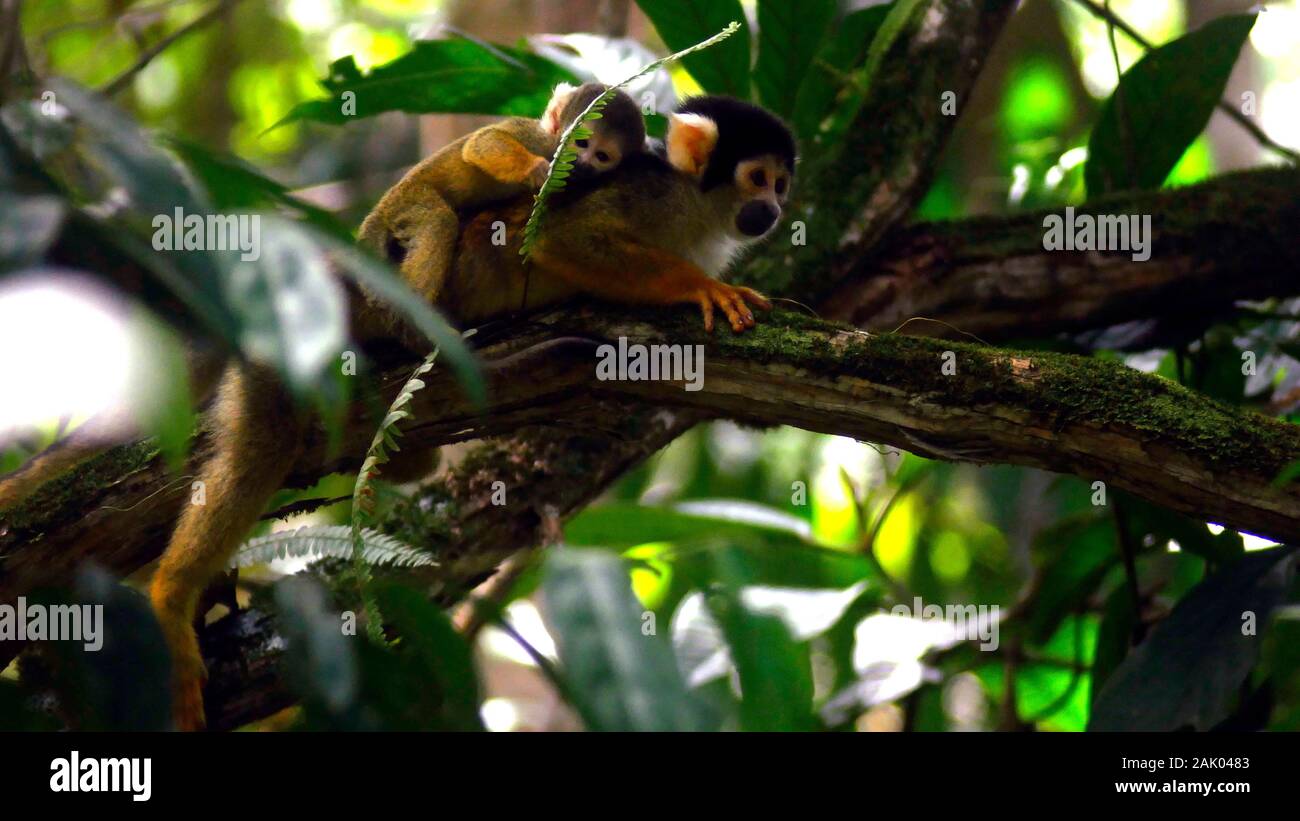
(650, 232)
(415, 224)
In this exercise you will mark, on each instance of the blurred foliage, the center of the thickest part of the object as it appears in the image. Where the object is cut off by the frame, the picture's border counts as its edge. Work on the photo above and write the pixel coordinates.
(741, 579)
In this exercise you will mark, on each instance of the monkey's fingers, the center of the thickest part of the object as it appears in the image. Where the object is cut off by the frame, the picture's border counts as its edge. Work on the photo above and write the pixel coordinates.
(754, 298)
(706, 308)
(732, 303)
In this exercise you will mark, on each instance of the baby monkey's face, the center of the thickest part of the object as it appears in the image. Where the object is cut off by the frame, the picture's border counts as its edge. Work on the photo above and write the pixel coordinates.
(602, 151)
(618, 132)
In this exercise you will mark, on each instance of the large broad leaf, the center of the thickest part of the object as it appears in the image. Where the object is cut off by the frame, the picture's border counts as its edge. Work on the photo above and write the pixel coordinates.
(294, 311)
(1165, 100)
(774, 669)
(1079, 555)
(122, 180)
(28, 225)
(774, 545)
(449, 76)
(116, 676)
(234, 185)
(320, 663)
(619, 677)
(624, 524)
(789, 35)
(844, 50)
(440, 653)
(723, 69)
(1187, 673)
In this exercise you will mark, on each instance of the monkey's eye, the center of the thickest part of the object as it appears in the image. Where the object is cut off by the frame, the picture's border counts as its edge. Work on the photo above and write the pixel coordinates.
(580, 143)
(780, 187)
(602, 156)
(758, 178)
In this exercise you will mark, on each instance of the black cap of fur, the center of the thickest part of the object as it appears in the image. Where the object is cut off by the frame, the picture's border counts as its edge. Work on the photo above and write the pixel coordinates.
(620, 114)
(744, 131)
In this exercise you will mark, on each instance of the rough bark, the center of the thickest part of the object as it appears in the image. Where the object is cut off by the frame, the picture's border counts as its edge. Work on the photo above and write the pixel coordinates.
(1228, 239)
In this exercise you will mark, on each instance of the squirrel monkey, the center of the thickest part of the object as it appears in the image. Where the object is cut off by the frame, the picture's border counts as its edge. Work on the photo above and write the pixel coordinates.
(416, 222)
(654, 232)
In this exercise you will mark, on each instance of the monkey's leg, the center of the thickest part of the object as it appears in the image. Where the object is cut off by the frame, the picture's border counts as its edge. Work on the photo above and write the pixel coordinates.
(627, 271)
(256, 437)
(428, 231)
(504, 158)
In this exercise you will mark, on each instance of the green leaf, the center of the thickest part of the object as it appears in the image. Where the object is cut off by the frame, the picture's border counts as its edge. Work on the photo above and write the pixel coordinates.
(101, 159)
(775, 671)
(28, 226)
(830, 70)
(1114, 636)
(439, 653)
(379, 280)
(234, 185)
(620, 679)
(1188, 671)
(163, 406)
(723, 69)
(320, 663)
(293, 311)
(789, 35)
(1167, 97)
(439, 76)
(124, 683)
(1081, 554)
(627, 524)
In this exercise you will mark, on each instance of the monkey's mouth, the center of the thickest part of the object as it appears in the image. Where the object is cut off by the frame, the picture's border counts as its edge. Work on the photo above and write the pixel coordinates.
(756, 218)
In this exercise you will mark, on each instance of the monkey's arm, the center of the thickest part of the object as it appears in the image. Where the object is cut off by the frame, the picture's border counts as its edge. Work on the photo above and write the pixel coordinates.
(624, 270)
(503, 157)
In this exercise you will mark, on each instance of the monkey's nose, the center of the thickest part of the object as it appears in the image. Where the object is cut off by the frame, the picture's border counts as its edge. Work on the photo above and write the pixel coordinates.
(756, 218)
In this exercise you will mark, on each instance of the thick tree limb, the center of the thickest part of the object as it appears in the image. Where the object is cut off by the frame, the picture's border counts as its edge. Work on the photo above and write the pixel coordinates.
(1228, 239)
(1095, 419)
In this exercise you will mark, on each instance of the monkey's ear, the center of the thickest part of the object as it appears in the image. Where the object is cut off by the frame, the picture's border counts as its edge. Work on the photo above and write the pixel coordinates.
(551, 117)
(691, 139)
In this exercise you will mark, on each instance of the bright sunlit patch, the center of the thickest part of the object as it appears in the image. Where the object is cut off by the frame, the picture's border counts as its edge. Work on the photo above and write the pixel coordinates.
(368, 46)
(1249, 543)
(499, 715)
(313, 15)
(66, 352)
(1038, 100)
(1279, 115)
(1277, 33)
(524, 618)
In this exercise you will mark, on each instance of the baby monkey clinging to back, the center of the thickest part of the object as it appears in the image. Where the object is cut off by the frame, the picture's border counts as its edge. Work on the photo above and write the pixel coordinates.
(415, 224)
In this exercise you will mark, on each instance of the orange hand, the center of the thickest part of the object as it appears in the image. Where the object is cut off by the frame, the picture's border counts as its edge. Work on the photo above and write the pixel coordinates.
(626, 271)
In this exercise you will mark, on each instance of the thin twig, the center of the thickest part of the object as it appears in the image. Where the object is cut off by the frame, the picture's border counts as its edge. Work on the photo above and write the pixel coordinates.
(107, 20)
(478, 609)
(1224, 106)
(120, 82)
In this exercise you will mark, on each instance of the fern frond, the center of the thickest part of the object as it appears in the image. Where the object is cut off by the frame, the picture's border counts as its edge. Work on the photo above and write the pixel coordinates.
(335, 541)
(363, 494)
(566, 153)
